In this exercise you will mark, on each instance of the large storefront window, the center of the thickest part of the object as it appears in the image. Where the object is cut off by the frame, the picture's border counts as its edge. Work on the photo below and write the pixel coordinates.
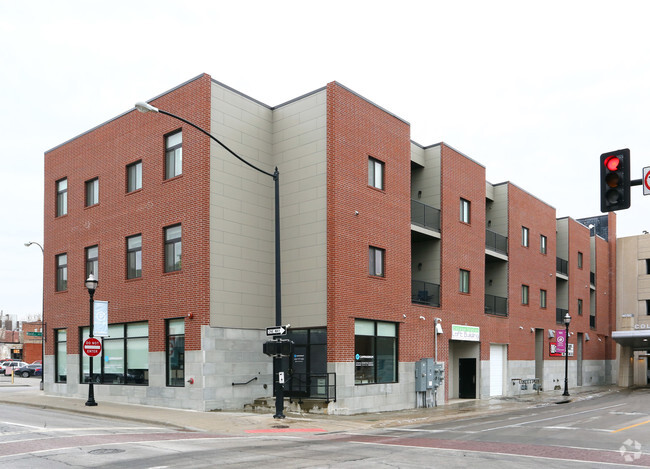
(375, 345)
(61, 356)
(176, 352)
(124, 358)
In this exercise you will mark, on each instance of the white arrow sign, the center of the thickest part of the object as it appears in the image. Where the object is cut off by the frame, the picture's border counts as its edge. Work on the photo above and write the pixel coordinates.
(277, 330)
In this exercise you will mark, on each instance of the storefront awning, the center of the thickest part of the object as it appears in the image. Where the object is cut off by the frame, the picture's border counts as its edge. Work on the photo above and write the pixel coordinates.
(637, 340)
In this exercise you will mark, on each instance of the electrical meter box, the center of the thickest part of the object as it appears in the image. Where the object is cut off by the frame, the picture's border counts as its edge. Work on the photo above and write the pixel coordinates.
(424, 374)
(438, 374)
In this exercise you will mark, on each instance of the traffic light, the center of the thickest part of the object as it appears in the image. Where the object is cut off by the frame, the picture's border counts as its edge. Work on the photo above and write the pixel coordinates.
(615, 180)
(278, 348)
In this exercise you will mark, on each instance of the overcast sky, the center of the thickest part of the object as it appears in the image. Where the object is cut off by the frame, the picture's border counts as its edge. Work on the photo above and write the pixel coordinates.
(534, 91)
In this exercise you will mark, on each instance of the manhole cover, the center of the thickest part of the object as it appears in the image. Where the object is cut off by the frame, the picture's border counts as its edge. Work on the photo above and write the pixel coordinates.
(106, 451)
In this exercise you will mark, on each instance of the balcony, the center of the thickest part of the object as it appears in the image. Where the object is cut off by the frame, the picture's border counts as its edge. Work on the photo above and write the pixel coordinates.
(425, 216)
(496, 242)
(496, 305)
(562, 266)
(425, 293)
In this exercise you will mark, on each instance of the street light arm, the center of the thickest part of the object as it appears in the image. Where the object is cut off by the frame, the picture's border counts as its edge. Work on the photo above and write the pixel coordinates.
(29, 243)
(146, 107)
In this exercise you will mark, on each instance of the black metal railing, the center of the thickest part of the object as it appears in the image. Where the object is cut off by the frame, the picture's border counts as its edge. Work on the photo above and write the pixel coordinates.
(425, 293)
(496, 305)
(425, 215)
(561, 266)
(312, 386)
(496, 242)
(559, 315)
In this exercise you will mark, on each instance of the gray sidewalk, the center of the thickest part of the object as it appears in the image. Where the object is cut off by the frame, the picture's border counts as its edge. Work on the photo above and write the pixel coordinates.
(25, 391)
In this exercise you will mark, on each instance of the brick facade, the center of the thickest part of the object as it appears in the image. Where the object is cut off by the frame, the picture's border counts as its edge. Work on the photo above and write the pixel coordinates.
(356, 215)
(104, 153)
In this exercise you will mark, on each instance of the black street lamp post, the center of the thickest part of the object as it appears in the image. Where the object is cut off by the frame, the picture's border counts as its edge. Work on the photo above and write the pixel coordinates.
(43, 333)
(91, 285)
(567, 320)
(277, 361)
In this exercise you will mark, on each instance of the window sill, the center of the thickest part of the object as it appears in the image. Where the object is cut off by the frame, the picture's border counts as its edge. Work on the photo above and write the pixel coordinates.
(173, 178)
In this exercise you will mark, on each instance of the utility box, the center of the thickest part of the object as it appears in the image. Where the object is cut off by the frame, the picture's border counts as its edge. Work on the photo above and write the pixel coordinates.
(424, 374)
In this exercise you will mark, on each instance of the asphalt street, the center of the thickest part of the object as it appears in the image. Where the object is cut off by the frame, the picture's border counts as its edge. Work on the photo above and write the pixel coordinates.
(600, 427)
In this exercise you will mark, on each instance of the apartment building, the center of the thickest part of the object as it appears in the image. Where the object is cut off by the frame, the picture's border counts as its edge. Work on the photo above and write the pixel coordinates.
(392, 252)
(632, 331)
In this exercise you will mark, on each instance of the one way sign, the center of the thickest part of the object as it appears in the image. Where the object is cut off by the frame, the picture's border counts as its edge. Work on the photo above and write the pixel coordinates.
(276, 330)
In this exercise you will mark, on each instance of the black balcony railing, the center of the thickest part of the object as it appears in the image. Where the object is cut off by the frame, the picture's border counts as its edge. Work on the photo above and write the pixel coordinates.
(496, 305)
(559, 315)
(561, 266)
(312, 386)
(425, 215)
(425, 293)
(496, 242)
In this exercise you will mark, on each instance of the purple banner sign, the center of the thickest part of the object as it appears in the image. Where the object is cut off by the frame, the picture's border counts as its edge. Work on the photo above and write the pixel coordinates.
(560, 338)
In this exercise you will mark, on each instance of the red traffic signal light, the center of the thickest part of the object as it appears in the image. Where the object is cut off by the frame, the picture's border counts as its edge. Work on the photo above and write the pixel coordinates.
(615, 180)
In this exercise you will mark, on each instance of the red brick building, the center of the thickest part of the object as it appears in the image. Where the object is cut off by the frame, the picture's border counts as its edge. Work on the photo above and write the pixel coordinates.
(382, 239)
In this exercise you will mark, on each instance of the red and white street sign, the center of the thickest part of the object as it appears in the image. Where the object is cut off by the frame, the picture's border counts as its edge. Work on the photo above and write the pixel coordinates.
(646, 180)
(92, 347)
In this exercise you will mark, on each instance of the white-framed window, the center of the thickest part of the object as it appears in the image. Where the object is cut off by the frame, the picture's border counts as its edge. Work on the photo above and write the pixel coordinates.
(542, 244)
(174, 155)
(376, 261)
(465, 207)
(542, 298)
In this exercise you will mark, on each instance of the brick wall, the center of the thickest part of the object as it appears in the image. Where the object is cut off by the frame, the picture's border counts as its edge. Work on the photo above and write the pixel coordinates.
(357, 130)
(104, 152)
(529, 266)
